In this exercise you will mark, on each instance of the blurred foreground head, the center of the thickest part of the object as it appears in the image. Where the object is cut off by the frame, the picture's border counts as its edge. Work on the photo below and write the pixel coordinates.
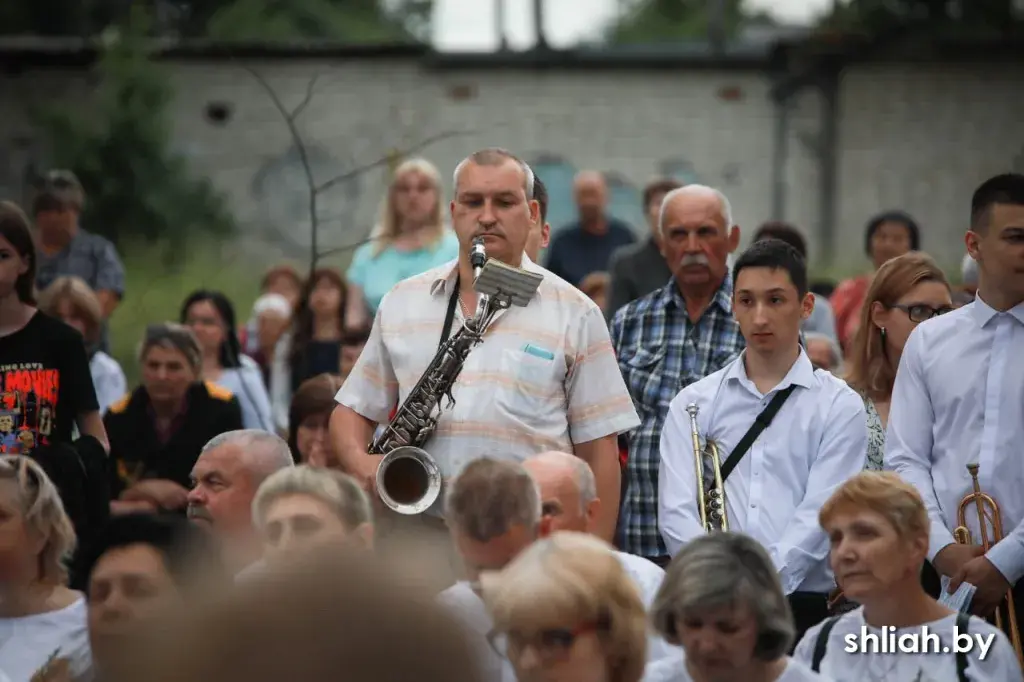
(337, 616)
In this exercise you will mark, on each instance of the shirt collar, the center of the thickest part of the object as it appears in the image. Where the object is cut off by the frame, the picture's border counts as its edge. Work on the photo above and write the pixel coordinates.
(983, 312)
(800, 374)
(671, 296)
(445, 281)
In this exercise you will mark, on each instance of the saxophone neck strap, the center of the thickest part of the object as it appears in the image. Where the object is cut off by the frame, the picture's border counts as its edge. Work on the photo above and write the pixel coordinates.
(762, 422)
(449, 318)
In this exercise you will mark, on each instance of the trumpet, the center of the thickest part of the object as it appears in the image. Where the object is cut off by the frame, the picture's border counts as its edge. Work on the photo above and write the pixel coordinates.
(988, 515)
(710, 494)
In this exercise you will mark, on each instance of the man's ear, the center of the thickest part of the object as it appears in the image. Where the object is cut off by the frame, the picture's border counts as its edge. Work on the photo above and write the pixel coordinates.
(807, 306)
(734, 238)
(544, 529)
(545, 235)
(971, 241)
(593, 507)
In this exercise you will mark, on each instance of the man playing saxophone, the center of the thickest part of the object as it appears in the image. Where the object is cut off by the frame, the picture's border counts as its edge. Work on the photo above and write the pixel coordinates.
(786, 435)
(544, 376)
(959, 400)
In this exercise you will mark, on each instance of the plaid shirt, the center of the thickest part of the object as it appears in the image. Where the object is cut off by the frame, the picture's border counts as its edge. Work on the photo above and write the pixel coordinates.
(660, 352)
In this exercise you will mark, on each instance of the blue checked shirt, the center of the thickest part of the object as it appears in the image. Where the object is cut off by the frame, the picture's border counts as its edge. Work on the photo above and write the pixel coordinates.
(660, 352)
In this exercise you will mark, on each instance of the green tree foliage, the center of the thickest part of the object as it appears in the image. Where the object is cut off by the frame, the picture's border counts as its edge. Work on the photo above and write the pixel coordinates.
(959, 15)
(353, 21)
(119, 148)
(663, 21)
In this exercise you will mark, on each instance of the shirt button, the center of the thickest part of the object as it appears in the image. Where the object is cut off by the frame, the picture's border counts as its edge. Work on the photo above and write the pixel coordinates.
(753, 506)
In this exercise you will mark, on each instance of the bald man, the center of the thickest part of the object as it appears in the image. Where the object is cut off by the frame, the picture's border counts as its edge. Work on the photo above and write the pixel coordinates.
(569, 501)
(670, 338)
(586, 246)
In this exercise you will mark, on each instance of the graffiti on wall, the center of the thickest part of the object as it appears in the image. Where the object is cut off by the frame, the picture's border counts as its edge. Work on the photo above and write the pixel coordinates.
(625, 197)
(281, 192)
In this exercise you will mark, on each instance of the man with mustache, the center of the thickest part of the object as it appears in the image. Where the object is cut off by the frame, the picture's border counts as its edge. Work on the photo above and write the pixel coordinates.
(225, 479)
(544, 377)
(670, 338)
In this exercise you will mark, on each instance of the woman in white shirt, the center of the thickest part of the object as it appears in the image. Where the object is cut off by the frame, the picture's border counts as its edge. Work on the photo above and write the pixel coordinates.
(878, 527)
(42, 622)
(71, 300)
(211, 317)
(722, 602)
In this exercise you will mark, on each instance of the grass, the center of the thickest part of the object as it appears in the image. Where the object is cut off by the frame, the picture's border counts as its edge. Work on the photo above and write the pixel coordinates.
(156, 285)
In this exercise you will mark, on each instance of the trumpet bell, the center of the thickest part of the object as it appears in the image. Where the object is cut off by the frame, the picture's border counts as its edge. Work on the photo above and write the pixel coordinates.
(408, 480)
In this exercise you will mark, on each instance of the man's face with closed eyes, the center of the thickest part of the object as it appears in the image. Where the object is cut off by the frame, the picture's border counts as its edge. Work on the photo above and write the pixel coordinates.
(490, 202)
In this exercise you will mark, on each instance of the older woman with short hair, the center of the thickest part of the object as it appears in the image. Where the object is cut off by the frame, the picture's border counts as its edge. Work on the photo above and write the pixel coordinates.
(299, 509)
(565, 610)
(722, 602)
(43, 624)
(878, 527)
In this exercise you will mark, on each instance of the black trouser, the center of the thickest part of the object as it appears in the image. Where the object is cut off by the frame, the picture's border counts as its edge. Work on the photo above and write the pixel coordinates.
(809, 609)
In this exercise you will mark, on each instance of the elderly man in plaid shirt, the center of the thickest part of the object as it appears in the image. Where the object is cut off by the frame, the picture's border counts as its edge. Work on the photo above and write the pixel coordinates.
(671, 338)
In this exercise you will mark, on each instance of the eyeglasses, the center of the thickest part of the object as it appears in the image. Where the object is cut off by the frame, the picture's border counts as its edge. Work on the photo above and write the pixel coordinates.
(550, 644)
(919, 312)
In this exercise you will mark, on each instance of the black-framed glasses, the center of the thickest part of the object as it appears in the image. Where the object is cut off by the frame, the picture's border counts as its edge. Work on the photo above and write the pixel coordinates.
(550, 644)
(919, 312)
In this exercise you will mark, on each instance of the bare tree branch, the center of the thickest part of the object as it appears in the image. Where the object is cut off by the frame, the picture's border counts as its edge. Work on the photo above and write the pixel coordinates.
(359, 170)
(289, 120)
(297, 111)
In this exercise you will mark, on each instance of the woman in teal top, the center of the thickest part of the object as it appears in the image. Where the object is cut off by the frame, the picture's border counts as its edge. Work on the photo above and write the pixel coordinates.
(409, 239)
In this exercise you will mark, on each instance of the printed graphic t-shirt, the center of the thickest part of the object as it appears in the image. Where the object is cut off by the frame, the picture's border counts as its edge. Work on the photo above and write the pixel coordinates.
(45, 384)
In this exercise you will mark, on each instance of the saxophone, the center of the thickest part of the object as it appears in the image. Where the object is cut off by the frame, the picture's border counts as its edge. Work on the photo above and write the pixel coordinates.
(408, 478)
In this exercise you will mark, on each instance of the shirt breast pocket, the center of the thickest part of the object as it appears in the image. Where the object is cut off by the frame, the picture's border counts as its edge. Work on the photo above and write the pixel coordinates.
(643, 376)
(533, 382)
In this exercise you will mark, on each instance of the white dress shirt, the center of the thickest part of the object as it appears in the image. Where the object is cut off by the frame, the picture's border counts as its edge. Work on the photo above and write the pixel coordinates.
(958, 399)
(674, 670)
(464, 604)
(817, 440)
(998, 665)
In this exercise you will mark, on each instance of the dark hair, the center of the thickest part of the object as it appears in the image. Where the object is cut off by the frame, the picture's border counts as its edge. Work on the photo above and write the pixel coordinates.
(776, 229)
(14, 228)
(313, 397)
(823, 288)
(659, 186)
(188, 552)
(303, 324)
(540, 193)
(1007, 188)
(357, 336)
(774, 254)
(913, 231)
(230, 348)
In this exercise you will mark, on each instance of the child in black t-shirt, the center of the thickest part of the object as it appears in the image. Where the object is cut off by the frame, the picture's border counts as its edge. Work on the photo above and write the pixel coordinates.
(45, 383)
(46, 387)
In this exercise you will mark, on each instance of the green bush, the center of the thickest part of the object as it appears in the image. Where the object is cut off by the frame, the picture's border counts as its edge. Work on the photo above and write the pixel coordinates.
(156, 284)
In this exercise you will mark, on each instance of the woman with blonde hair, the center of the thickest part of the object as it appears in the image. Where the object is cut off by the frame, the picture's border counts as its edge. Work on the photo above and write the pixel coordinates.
(906, 291)
(410, 238)
(565, 610)
(878, 528)
(72, 301)
(43, 623)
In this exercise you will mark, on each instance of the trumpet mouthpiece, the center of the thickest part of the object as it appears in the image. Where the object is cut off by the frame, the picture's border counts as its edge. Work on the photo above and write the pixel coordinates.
(477, 253)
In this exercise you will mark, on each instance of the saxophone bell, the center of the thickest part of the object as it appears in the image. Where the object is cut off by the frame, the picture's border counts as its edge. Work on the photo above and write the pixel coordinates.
(408, 480)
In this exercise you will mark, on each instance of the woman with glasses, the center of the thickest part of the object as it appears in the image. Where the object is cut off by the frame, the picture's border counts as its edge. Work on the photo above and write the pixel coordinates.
(43, 624)
(565, 610)
(906, 291)
(722, 602)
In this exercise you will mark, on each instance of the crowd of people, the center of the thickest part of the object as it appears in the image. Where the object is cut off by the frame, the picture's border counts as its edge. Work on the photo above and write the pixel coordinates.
(680, 460)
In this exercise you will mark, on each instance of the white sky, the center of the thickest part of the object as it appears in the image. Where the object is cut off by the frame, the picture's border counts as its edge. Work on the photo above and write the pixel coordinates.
(470, 24)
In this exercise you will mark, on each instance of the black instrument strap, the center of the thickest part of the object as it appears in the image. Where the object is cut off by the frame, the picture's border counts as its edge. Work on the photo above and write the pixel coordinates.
(821, 643)
(449, 317)
(963, 623)
(762, 422)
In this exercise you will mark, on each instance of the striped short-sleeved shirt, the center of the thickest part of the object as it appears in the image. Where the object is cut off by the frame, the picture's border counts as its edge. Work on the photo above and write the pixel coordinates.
(544, 376)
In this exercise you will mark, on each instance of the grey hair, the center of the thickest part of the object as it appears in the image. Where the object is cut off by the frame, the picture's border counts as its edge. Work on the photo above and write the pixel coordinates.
(339, 491)
(491, 496)
(494, 156)
(173, 336)
(583, 475)
(837, 353)
(265, 452)
(721, 570)
(726, 207)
